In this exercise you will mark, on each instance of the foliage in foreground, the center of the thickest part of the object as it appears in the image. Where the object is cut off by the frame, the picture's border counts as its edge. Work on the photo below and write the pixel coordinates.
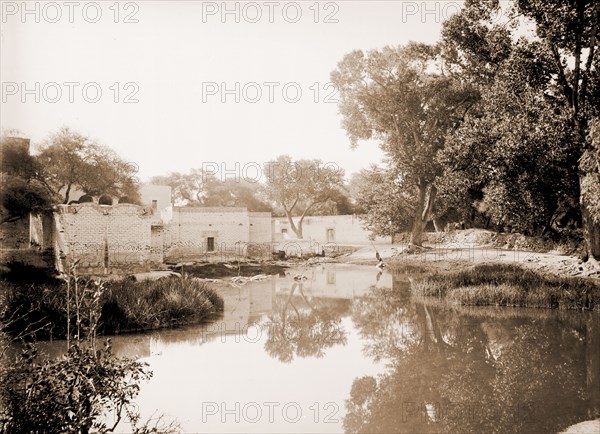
(39, 308)
(508, 285)
(70, 394)
(85, 390)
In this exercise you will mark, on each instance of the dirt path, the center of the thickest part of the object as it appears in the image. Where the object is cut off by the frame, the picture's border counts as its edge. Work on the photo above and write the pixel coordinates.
(451, 256)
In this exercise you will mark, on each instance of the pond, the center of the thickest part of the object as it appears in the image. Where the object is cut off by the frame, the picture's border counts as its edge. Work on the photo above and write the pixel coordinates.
(346, 348)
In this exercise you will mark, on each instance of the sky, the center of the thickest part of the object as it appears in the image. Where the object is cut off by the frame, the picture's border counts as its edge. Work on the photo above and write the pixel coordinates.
(177, 85)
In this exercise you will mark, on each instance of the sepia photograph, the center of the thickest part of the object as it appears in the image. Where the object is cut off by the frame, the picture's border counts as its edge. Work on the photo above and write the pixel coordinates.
(311, 216)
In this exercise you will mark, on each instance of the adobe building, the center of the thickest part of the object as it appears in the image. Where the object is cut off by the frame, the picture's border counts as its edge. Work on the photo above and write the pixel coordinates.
(125, 238)
(217, 231)
(324, 230)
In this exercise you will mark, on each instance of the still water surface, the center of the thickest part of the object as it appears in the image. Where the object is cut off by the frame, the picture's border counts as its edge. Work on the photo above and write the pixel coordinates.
(348, 349)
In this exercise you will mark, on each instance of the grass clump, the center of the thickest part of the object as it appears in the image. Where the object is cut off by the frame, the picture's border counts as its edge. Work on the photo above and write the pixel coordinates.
(155, 304)
(508, 285)
(38, 309)
(408, 268)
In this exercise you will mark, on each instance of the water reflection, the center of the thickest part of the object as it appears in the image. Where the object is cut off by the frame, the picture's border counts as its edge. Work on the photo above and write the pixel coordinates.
(349, 349)
(305, 325)
(464, 371)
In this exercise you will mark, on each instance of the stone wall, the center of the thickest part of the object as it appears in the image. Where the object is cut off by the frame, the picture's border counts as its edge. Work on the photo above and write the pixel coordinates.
(327, 230)
(105, 238)
(124, 238)
(192, 229)
(260, 227)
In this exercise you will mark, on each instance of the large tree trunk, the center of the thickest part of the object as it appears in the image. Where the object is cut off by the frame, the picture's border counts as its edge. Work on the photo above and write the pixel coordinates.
(589, 195)
(422, 212)
(67, 193)
(430, 202)
(591, 233)
(297, 231)
(416, 236)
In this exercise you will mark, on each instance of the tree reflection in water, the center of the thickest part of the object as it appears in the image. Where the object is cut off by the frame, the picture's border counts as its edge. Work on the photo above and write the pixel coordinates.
(305, 326)
(452, 371)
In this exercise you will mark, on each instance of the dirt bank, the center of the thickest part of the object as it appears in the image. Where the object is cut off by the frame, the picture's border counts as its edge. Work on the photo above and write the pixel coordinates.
(466, 248)
(220, 269)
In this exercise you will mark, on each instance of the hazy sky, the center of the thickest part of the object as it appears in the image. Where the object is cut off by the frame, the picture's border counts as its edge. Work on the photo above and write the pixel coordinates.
(183, 65)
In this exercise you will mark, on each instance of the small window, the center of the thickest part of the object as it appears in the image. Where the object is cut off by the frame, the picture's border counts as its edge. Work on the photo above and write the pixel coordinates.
(284, 231)
(210, 244)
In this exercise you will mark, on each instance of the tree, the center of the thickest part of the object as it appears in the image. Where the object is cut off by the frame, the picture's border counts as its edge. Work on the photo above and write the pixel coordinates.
(236, 192)
(20, 197)
(590, 188)
(516, 148)
(388, 204)
(403, 98)
(298, 187)
(198, 188)
(23, 191)
(73, 393)
(69, 160)
(187, 188)
(434, 355)
(339, 203)
(566, 37)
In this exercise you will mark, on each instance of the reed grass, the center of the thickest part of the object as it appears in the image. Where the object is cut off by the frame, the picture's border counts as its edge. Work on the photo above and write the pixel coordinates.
(508, 285)
(38, 309)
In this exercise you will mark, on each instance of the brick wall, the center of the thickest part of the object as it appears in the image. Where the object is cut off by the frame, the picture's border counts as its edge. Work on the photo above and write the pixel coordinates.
(261, 237)
(343, 229)
(116, 238)
(260, 227)
(191, 227)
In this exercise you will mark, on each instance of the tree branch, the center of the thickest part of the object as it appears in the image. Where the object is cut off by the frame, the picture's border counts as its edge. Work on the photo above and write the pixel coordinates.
(577, 69)
(591, 53)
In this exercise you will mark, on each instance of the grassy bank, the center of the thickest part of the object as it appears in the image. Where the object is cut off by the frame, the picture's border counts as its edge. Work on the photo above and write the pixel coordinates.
(37, 307)
(504, 285)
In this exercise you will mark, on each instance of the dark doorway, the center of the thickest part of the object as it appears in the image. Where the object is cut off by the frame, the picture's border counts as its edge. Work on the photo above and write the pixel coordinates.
(210, 244)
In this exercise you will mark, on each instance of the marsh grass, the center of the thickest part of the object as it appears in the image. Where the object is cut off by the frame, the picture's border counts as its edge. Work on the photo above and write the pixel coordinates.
(38, 309)
(508, 285)
(155, 304)
(405, 267)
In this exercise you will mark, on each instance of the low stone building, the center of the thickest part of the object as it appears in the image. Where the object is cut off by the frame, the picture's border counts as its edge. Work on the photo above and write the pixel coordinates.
(123, 238)
(222, 232)
(105, 238)
(324, 230)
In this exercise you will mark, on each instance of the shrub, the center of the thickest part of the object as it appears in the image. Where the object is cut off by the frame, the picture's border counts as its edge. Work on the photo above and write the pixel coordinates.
(76, 392)
(70, 394)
